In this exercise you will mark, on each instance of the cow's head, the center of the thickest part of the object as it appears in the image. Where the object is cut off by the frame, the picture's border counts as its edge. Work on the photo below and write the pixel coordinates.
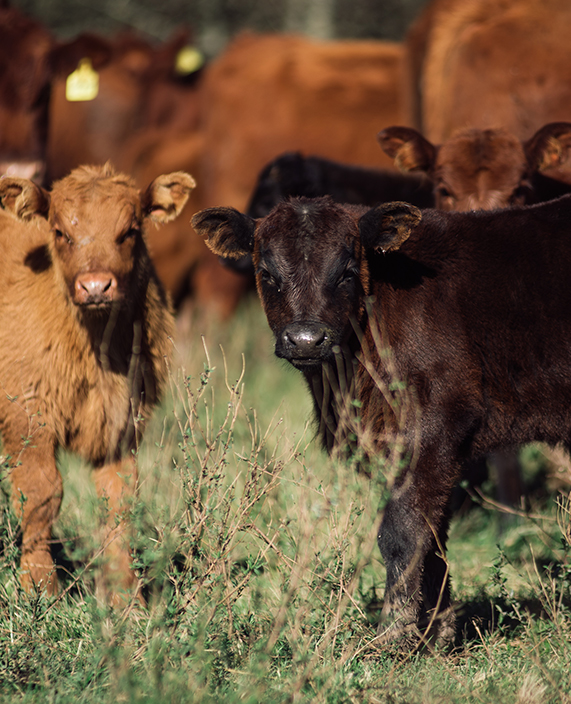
(479, 169)
(310, 257)
(97, 218)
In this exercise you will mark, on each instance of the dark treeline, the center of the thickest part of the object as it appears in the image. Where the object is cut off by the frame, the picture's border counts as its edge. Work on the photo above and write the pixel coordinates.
(214, 22)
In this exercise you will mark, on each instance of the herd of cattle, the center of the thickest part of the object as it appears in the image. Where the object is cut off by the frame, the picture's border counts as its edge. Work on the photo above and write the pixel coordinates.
(347, 180)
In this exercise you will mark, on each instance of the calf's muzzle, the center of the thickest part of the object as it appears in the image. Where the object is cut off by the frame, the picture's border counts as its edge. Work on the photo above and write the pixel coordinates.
(95, 289)
(304, 343)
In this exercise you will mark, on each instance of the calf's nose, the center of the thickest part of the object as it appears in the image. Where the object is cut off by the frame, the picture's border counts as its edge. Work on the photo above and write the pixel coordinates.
(95, 288)
(304, 340)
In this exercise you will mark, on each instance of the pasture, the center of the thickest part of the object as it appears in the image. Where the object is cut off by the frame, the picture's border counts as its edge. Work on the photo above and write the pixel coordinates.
(257, 555)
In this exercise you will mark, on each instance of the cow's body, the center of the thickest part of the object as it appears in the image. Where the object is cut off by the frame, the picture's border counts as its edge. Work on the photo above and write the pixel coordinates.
(490, 64)
(138, 89)
(472, 311)
(85, 333)
(269, 94)
(292, 174)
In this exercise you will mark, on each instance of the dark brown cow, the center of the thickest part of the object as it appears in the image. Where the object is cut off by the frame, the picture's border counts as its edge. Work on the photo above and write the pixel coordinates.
(471, 311)
(29, 59)
(269, 94)
(85, 333)
(488, 64)
(24, 90)
(484, 169)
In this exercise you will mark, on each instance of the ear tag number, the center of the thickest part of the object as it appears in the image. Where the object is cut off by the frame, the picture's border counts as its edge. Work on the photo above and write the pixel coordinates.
(83, 83)
(188, 60)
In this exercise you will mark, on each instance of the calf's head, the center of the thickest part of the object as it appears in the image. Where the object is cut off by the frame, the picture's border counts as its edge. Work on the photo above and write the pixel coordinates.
(479, 169)
(310, 257)
(97, 219)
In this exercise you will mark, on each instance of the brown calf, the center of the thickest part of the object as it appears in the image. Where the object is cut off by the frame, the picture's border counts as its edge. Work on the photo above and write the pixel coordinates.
(484, 169)
(472, 311)
(85, 332)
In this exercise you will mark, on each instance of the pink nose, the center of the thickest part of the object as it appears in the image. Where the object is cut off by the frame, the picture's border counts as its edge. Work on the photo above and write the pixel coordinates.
(95, 288)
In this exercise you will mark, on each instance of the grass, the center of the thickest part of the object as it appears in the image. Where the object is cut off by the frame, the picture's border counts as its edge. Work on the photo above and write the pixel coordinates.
(258, 558)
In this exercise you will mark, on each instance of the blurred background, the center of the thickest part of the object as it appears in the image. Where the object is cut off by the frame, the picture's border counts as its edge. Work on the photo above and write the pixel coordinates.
(214, 22)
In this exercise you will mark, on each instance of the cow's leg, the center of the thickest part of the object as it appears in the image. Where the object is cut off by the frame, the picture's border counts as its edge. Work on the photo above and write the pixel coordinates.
(37, 491)
(412, 540)
(116, 483)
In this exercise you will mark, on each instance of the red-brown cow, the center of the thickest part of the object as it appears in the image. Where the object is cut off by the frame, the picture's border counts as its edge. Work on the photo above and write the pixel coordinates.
(471, 311)
(203, 290)
(138, 88)
(484, 169)
(269, 94)
(85, 332)
(488, 64)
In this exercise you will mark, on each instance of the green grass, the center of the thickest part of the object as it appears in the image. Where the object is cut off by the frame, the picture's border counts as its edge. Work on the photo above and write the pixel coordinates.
(259, 563)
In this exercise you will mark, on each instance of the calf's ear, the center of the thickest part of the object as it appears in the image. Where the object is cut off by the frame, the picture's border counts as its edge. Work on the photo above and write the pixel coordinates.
(549, 146)
(410, 150)
(23, 198)
(229, 233)
(387, 226)
(167, 195)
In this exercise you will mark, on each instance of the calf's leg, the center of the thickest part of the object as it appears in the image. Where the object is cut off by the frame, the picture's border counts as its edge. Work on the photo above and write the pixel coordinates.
(116, 483)
(37, 491)
(412, 540)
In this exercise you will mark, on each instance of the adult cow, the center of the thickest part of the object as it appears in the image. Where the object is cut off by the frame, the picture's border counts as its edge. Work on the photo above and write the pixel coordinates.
(489, 63)
(267, 94)
(138, 89)
(485, 169)
(85, 331)
(29, 59)
(472, 311)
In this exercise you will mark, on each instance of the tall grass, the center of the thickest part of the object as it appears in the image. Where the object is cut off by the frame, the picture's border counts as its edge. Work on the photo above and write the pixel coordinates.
(257, 556)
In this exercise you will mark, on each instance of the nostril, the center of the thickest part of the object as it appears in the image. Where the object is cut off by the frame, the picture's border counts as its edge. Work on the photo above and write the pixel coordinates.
(95, 287)
(305, 338)
(320, 340)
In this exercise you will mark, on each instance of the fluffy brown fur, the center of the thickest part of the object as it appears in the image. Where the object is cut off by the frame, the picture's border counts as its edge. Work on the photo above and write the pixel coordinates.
(85, 332)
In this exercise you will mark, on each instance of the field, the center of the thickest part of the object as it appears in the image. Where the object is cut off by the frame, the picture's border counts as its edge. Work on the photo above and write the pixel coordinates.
(257, 555)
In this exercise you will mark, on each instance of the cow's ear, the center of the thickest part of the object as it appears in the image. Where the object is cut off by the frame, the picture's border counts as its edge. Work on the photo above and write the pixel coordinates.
(410, 150)
(65, 56)
(23, 198)
(387, 226)
(549, 146)
(229, 233)
(167, 195)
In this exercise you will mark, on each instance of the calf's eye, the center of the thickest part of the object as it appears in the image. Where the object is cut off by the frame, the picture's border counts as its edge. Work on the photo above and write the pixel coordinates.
(130, 234)
(62, 236)
(269, 280)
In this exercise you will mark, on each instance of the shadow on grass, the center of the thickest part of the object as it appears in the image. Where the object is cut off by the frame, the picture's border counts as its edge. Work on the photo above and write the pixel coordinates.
(486, 615)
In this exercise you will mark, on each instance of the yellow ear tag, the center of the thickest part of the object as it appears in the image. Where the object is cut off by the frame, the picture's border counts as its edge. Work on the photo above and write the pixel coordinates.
(83, 83)
(188, 60)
